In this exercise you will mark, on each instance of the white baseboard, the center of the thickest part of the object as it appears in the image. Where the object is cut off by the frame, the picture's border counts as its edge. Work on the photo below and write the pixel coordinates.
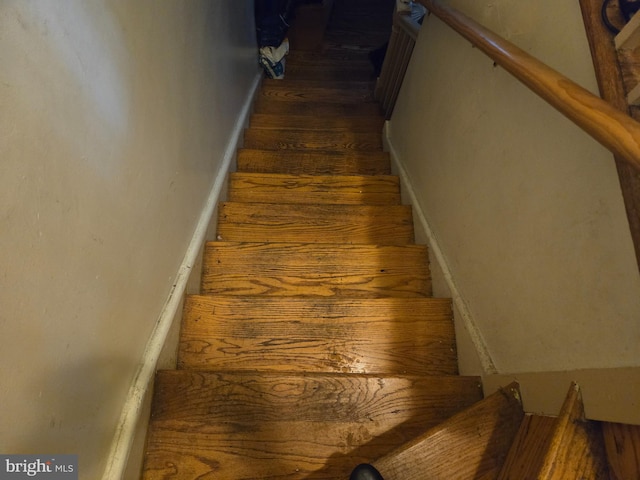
(464, 314)
(133, 405)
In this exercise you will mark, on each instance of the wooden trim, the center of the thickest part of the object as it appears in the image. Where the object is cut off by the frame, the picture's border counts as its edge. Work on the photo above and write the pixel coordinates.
(609, 394)
(612, 128)
(612, 89)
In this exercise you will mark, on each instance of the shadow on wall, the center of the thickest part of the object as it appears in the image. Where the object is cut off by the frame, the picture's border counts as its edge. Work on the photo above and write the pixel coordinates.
(71, 422)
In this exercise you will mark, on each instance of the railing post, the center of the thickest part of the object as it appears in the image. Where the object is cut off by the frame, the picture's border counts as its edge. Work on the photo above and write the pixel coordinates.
(396, 61)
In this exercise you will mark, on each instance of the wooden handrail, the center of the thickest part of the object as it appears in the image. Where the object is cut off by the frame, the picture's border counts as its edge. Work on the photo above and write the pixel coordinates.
(615, 130)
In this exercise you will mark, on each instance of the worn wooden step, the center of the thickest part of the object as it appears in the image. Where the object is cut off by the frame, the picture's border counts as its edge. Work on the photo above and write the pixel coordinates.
(256, 425)
(529, 445)
(313, 163)
(270, 105)
(311, 140)
(329, 189)
(349, 224)
(331, 335)
(328, 94)
(329, 73)
(622, 444)
(294, 84)
(471, 445)
(565, 447)
(368, 123)
(298, 269)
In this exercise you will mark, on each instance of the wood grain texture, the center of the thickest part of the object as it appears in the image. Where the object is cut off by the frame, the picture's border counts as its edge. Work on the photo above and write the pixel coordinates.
(204, 398)
(576, 448)
(316, 346)
(314, 163)
(253, 425)
(297, 269)
(311, 140)
(613, 89)
(336, 189)
(622, 444)
(470, 445)
(270, 451)
(384, 335)
(613, 129)
(567, 447)
(271, 106)
(347, 224)
(295, 84)
(283, 92)
(372, 123)
(529, 447)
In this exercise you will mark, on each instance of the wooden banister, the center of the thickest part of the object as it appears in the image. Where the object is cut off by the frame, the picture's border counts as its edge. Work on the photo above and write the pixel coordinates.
(404, 33)
(615, 130)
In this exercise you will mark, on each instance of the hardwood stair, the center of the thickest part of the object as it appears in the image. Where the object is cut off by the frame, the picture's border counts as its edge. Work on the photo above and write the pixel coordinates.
(558, 448)
(302, 269)
(472, 444)
(315, 344)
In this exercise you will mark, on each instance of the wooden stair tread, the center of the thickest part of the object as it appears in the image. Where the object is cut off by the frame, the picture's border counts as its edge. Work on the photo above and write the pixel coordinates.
(313, 163)
(327, 334)
(310, 140)
(209, 397)
(349, 224)
(341, 189)
(295, 269)
(622, 444)
(471, 445)
(259, 425)
(294, 90)
(270, 105)
(529, 445)
(571, 447)
(366, 123)
(295, 83)
(296, 93)
(271, 451)
(329, 73)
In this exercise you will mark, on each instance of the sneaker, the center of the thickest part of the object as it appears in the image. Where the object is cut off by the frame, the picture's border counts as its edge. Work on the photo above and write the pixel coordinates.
(365, 471)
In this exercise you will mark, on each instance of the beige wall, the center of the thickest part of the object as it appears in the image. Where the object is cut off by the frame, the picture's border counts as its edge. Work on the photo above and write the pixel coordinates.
(526, 207)
(114, 118)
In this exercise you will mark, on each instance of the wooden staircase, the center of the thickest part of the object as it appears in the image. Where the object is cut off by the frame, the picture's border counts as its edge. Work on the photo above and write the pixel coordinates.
(315, 343)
